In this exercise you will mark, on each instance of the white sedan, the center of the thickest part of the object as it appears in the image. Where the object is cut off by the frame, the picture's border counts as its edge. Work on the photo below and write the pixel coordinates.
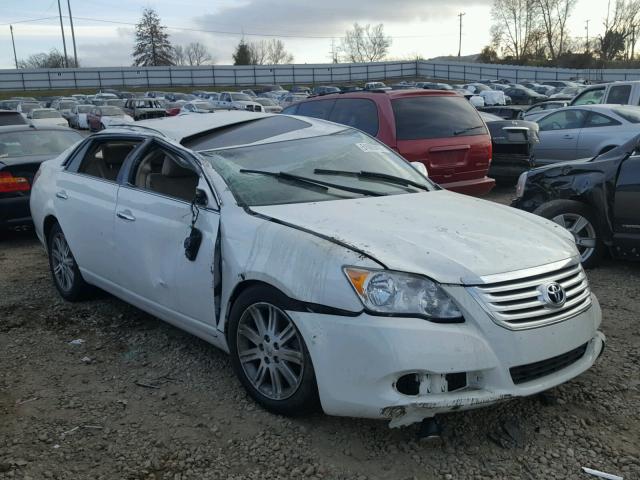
(330, 269)
(46, 117)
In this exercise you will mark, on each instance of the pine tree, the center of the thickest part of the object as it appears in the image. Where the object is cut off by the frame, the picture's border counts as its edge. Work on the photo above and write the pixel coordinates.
(153, 47)
(242, 55)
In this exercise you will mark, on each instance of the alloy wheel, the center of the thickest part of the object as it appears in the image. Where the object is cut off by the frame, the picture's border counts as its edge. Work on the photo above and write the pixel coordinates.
(270, 351)
(583, 232)
(62, 262)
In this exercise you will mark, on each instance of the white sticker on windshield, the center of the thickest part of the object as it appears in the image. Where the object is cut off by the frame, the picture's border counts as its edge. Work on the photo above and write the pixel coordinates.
(372, 147)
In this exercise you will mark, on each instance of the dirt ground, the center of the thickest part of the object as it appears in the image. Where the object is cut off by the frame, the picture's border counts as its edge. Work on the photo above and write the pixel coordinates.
(139, 399)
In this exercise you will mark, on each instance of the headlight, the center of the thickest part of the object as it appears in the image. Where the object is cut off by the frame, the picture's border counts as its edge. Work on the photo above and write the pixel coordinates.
(388, 292)
(522, 180)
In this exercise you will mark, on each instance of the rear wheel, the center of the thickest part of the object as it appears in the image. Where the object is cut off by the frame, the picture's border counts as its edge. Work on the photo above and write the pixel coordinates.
(64, 269)
(269, 355)
(582, 223)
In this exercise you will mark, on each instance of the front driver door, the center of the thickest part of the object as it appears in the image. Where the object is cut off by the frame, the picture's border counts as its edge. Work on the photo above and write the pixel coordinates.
(559, 133)
(626, 211)
(152, 220)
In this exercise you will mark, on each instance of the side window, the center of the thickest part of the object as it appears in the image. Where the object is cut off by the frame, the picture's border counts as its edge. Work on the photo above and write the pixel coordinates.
(163, 172)
(358, 113)
(589, 97)
(598, 120)
(290, 110)
(104, 159)
(537, 108)
(316, 109)
(563, 120)
(619, 94)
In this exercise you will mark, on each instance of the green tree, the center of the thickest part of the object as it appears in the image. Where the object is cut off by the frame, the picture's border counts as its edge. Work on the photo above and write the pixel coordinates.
(242, 55)
(153, 47)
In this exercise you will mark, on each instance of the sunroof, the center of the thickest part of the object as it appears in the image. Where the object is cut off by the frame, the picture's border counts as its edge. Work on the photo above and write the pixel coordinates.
(244, 133)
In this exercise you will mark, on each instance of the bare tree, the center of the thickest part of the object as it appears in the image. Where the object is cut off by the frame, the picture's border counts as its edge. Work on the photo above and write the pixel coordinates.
(53, 59)
(621, 26)
(258, 52)
(276, 53)
(179, 56)
(554, 15)
(515, 27)
(197, 54)
(365, 43)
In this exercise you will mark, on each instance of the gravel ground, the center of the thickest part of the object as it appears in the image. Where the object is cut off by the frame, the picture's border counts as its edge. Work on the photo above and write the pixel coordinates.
(139, 399)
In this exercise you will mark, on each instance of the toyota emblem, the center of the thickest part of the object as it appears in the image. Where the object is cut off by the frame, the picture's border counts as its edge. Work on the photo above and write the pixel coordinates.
(553, 295)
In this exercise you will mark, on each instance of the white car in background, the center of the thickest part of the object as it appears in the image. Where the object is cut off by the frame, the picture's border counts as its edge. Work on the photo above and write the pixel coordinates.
(196, 106)
(237, 101)
(268, 105)
(292, 98)
(46, 117)
(265, 240)
(78, 116)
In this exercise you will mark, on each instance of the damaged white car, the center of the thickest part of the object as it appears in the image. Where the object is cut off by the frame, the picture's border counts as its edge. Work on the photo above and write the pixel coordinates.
(330, 269)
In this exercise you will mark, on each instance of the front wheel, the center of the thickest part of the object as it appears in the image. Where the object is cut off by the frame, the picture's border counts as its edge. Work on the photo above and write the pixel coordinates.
(64, 269)
(582, 223)
(269, 354)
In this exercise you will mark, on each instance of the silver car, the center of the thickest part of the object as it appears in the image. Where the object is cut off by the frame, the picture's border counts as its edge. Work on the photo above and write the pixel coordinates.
(584, 131)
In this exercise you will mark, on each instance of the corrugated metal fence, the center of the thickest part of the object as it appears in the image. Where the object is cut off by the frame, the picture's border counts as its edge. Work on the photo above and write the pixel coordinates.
(306, 74)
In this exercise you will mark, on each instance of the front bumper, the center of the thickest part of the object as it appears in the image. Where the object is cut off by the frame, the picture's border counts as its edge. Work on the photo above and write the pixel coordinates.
(358, 360)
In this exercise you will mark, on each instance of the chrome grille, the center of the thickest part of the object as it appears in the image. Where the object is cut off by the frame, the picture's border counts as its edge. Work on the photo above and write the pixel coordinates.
(519, 303)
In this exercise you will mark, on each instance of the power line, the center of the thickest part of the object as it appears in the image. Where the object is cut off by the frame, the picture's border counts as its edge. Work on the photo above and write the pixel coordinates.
(227, 32)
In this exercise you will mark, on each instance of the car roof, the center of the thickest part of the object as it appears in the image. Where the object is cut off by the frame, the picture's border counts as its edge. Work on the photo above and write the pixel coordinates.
(605, 107)
(180, 128)
(392, 94)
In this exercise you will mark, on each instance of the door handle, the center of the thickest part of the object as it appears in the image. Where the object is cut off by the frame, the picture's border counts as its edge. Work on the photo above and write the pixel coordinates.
(62, 194)
(569, 136)
(126, 215)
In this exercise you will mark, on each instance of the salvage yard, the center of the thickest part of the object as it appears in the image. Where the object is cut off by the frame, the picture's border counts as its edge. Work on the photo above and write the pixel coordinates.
(101, 390)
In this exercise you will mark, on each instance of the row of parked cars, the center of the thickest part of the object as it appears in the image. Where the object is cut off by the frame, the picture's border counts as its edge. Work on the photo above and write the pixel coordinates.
(326, 248)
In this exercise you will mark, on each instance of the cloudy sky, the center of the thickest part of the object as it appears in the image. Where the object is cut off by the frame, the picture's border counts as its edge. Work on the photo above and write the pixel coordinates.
(104, 28)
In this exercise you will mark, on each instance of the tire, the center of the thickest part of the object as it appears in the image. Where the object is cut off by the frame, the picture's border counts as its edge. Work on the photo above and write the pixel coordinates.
(260, 349)
(571, 214)
(64, 269)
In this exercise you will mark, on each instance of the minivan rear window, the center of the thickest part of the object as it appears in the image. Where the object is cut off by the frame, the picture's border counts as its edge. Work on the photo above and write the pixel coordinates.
(436, 117)
(619, 94)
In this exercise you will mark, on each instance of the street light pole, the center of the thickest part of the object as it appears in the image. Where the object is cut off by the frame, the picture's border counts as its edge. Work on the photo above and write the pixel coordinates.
(460, 15)
(587, 28)
(13, 42)
(73, 35)
(64, 42)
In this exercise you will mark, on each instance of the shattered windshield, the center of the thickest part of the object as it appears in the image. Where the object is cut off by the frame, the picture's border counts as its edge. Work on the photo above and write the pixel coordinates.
(342, 164)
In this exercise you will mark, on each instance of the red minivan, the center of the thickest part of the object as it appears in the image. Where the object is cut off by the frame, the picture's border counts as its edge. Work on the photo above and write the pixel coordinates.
(436, 127)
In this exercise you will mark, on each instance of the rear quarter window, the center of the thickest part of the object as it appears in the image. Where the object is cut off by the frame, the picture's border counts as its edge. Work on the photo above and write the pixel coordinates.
(316, 109)
(435, 117)
(358, 113)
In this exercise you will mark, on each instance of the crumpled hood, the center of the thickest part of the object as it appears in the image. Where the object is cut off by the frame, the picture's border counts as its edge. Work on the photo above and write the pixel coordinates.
(448, 237)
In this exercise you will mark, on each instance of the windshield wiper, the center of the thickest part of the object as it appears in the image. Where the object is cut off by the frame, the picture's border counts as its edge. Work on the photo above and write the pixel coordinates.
(468, 129)
(375, 175)
(313, 182)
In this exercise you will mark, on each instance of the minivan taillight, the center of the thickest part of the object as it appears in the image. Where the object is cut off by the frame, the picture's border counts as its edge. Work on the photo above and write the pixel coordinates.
(9, 183)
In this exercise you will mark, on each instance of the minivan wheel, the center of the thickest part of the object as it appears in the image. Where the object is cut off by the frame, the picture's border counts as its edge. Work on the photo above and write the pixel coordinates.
(269, 354)
(581, 222)
(64, 269)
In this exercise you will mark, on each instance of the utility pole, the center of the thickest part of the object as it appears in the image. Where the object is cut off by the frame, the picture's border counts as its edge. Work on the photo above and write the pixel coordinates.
(334, 55)
(460, 15)
(587, 28)
(15, 57)
(64, 42)
(73, 35)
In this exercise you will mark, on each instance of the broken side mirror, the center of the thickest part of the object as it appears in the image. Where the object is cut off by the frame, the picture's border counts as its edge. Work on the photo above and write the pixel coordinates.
(200, 198)
(419, 166)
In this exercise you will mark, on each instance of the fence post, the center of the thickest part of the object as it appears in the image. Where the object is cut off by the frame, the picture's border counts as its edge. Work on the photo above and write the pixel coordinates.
(146, 72)
(274, 74)
(517, 75)
(350, 76)
(464, 73)
(122, 77)
(99, 80)
(24, 85)
(293, 66)
(49, 77)
(367, 72)
(480, 73)
(448, 72)
(235, 77)
(171, 77)
(213, 75)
